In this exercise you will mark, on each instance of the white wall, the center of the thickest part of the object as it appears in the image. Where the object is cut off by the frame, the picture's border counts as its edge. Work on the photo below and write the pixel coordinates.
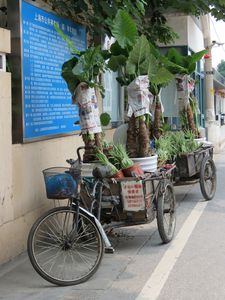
(189, 33)
(22, 183)
(179, 24)
(22, 190)
(195, 36)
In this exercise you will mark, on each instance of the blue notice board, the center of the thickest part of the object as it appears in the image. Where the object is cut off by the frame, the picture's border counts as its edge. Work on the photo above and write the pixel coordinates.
(47, 101)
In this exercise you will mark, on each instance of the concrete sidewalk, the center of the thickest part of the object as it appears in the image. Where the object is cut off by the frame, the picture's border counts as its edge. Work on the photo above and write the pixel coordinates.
(134, 246)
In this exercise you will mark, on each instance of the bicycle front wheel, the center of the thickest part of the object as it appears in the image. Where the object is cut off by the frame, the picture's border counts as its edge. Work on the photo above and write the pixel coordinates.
(166, 217)
(63, 248)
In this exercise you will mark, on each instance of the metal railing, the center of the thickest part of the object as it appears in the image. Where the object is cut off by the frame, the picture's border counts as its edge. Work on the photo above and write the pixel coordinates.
(218, 77)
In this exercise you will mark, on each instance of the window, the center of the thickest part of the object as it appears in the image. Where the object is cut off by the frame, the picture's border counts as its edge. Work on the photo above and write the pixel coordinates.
(113, 102)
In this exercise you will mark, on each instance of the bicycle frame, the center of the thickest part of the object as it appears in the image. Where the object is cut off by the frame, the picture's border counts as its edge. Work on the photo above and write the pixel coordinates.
(78, 208)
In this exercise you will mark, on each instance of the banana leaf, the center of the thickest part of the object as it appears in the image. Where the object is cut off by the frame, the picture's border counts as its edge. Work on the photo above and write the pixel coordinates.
(162, 77)
(124, 29)
(116, 62)
(183, 64)
(140, 60)
(68, 75)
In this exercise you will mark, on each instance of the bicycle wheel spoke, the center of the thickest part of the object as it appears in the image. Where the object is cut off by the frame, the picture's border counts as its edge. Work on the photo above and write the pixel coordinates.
(46, 235)
(55, 226)
(84, 237)
(53, 232)
(52, 258)
(83, 257)
(49, 245)
(166, 214)
(90, 247)
(65, 248)
(44, 252)
(84, 234)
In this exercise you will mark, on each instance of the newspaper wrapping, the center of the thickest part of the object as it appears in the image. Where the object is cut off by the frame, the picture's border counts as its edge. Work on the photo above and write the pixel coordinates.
(85, 98)
(139, 97)
(185, 85)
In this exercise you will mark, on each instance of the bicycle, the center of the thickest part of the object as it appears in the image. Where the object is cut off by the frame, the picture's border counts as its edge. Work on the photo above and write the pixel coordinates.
(66, 244)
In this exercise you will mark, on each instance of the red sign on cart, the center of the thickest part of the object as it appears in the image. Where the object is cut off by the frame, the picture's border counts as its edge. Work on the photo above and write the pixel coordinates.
(132, 195)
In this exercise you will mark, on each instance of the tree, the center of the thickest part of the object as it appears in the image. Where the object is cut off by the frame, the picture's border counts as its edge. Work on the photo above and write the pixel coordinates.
(221, 67)
(149, 15)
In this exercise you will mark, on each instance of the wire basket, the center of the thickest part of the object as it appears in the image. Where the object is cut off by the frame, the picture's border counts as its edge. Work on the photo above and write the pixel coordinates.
(59, 183)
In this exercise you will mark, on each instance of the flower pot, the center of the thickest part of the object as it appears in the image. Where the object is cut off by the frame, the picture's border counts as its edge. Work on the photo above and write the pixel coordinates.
(118, 174)
(148, 164)
(203, 141)
(200, 140)
(133, 170)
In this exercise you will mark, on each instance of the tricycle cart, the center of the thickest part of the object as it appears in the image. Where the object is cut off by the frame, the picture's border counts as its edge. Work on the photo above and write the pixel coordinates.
(66, 244)
(197, 166)
(132, 201)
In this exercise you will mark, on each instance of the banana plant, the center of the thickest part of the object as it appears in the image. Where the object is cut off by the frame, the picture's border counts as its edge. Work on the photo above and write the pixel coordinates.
(133, 56)
(183, 66)
(82, 72)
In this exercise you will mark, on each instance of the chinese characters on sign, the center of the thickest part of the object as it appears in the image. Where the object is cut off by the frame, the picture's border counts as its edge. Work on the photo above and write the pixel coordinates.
(48, 108)
(132, 195)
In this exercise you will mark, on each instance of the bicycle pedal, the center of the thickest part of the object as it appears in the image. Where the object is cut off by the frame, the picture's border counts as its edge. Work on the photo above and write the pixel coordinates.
(109, 250)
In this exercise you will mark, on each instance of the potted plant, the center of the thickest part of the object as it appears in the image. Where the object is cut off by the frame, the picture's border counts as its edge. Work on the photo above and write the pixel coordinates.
(183, 66)
(179, 147)
(138, 64)
(120, 157)
(113, 171)
(81, 74)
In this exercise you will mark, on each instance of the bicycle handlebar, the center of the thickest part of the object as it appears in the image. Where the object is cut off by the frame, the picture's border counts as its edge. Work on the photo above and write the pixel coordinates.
(83, 148)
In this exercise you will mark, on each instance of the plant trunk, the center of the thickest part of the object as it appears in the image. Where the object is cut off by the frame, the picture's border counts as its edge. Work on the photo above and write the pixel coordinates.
(143, 138)
(157, 119)
(98, 140)
(190, 119)
(131, 137)
(89, 142)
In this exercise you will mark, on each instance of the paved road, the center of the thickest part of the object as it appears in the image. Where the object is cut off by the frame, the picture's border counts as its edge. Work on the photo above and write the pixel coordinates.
(191, 267)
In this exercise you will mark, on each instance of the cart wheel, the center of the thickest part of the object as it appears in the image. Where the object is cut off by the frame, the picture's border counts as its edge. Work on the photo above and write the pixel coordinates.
(208, 178)
(166, 217)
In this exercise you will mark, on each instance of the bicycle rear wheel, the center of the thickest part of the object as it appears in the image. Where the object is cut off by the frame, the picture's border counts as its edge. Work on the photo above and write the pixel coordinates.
(166, 217)
(63, 249)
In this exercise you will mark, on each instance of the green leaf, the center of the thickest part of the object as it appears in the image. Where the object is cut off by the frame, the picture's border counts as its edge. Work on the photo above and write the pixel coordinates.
(68, 75)
(197, 56)
(139, 60)
(188, 63)
(155, 51)
(70, 44)
(173, 67)
(116, 62)
(105, 119)
(90, 65)
(116, 49)
(191, 68)
(141, 6)
(175, 57)
(85, 69)
(121, 81)
(124, 29)
(153, 67)
(154, 89)
(162, 78)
